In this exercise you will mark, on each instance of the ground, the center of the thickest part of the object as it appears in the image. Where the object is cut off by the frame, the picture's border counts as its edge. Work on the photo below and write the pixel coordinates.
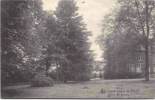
(124, 88)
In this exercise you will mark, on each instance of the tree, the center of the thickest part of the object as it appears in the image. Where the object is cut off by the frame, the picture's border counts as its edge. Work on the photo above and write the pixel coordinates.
(132, 25)
(143, 14)
(74, 42)
(146, 27)
(19, 20)
(51, 51)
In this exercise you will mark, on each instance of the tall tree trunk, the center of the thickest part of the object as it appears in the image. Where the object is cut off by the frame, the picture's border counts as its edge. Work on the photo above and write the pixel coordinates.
(146, 62)
(147, 43)
(57, 72)
(47, 66)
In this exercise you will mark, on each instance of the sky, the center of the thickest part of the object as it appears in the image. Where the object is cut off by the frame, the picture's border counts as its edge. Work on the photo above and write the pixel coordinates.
(93, 12)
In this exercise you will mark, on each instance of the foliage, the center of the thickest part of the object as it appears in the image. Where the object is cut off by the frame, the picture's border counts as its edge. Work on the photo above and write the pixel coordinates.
(73, 38)
(33, 39)
(124, 31)
(19, 40)
(41, 80)
(122, 75)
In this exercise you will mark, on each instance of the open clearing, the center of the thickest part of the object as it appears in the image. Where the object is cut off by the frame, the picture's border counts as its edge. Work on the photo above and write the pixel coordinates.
(125, 88)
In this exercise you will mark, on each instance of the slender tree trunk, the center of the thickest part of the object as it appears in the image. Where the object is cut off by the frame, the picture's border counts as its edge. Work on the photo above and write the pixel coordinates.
(146, 62)
(147, 43)
(47, 66)
(57, 72)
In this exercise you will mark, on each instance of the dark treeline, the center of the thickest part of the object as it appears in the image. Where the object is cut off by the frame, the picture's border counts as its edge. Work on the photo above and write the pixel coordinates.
(35, 42)
(129, 32)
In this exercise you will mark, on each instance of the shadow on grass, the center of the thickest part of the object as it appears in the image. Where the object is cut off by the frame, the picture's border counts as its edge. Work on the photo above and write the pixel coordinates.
(6, 94)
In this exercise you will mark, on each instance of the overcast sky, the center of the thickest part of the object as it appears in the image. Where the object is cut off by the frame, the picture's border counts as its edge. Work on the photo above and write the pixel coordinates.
(93, 12)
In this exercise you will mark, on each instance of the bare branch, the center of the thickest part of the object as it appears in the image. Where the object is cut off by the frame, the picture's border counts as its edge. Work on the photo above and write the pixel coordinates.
(141, 24)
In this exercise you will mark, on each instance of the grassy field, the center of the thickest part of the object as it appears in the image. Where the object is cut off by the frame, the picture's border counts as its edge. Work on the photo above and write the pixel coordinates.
(93, 89)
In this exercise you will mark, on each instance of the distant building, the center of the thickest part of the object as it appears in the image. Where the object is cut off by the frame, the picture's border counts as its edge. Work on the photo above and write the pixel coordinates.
(134, 67)
(137, 64)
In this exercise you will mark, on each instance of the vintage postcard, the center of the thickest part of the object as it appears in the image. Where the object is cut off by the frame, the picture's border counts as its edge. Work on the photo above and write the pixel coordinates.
(77, 49)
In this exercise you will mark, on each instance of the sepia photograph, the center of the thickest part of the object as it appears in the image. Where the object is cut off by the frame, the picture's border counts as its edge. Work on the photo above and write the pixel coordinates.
(77, 49)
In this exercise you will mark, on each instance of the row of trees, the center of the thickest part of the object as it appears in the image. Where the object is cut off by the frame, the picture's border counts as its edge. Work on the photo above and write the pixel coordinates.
(33, 39)
(130, 25)
(18, 27)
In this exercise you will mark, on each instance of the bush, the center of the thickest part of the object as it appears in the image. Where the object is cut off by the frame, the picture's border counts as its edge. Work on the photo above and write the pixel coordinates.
(113, 75)
(82, 77)
(41, 80)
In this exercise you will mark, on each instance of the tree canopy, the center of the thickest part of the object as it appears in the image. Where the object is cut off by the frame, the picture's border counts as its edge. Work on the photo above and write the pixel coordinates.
(124, 30)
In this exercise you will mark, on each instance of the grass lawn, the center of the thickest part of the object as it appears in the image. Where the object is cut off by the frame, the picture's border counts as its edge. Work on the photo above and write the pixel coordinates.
(135, 88)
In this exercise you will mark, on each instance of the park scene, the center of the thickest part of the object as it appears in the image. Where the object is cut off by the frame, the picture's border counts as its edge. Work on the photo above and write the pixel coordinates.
(77, 49)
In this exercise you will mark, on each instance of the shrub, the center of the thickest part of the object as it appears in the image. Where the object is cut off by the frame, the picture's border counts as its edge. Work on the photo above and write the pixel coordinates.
(82, 77)
(113, 75)
(41, 80)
